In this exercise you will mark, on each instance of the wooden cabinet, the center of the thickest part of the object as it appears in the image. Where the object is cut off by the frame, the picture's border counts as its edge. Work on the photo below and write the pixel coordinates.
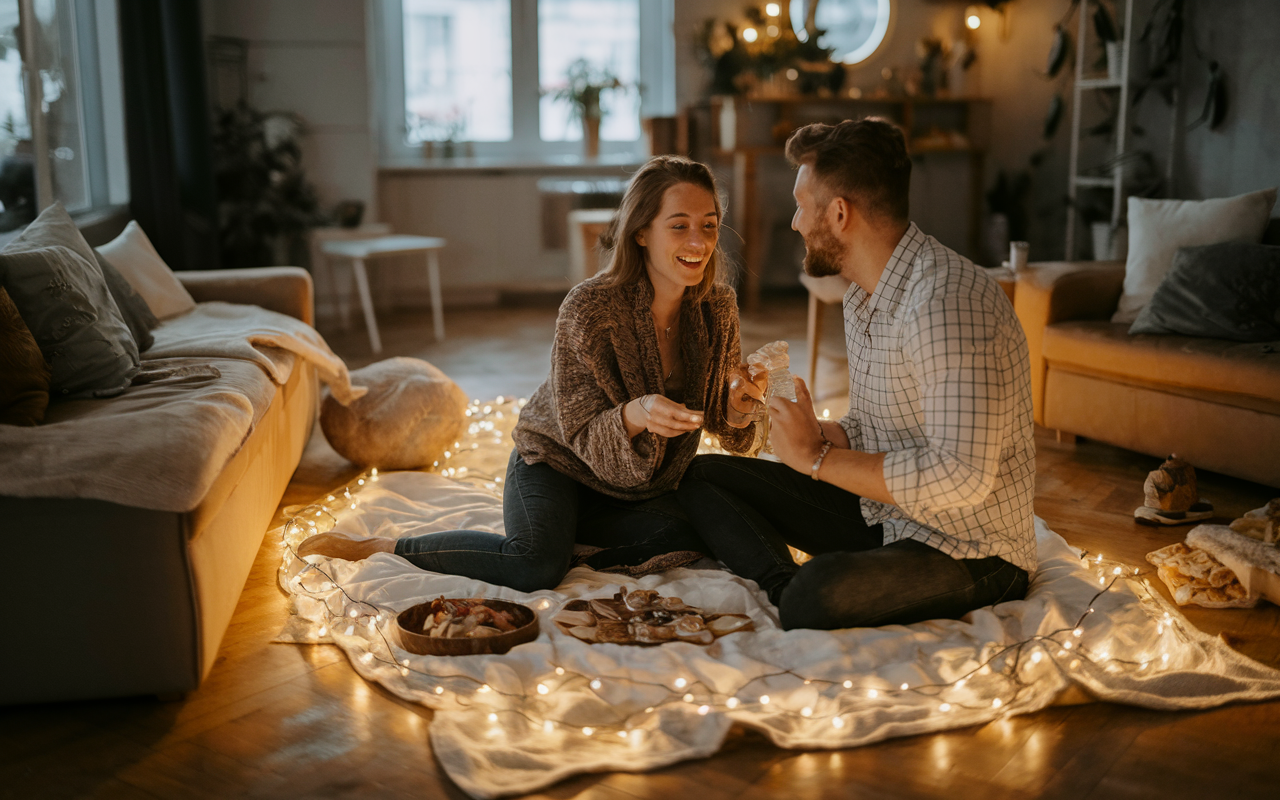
(748, 130)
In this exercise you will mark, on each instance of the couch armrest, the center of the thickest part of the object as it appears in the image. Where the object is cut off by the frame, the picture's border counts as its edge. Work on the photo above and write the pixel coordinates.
(1058, 291)
(287, 290)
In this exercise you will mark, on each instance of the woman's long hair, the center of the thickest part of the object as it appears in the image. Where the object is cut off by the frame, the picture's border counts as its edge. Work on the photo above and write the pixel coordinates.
(640, 206)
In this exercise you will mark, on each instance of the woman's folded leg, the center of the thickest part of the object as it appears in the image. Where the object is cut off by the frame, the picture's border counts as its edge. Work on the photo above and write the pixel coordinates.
(540, 511)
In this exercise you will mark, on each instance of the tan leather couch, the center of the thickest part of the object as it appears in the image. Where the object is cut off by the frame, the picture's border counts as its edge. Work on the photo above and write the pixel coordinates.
(1216, 403)
(109, 600)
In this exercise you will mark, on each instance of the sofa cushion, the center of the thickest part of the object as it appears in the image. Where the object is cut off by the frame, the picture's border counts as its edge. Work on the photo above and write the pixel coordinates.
(53, 278)
(1157, 228)
(24, 375)
(1220, 291)
(133, 254)
(137, 314)
(1212, 364)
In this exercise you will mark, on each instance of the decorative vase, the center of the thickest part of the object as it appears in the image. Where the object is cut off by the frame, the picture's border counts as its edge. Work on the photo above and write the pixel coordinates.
(591, 136)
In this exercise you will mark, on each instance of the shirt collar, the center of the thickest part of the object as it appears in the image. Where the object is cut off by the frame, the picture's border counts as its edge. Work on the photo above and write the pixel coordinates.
(893, 281)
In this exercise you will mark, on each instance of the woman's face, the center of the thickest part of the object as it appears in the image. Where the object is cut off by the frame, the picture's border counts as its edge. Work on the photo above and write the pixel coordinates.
(679, 241)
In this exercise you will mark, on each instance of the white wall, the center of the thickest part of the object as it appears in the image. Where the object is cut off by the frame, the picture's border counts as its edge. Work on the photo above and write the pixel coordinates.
(309, 57)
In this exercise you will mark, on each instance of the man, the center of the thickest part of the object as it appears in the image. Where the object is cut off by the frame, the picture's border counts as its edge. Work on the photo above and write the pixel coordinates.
(917, 504)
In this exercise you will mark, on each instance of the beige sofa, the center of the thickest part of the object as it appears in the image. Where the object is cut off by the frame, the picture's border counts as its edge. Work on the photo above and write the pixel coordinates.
(1216, 403)
(111, 600)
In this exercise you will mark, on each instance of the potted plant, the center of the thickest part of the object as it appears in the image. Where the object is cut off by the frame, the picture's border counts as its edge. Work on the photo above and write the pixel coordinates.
(266, 205)
(582, 88)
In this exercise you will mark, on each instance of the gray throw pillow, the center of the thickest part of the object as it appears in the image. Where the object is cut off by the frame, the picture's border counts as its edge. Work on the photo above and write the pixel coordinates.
(1218, 291)
(137, 314)
(54, 281)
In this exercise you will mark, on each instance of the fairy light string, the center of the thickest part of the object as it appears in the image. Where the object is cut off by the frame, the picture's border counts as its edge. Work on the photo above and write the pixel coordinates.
(1004, 673)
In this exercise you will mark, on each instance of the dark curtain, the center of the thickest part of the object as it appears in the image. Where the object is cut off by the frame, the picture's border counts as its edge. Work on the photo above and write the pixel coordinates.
(171, 184)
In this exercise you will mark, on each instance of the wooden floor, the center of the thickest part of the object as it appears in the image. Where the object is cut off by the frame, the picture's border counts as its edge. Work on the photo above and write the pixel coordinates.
(280, 720)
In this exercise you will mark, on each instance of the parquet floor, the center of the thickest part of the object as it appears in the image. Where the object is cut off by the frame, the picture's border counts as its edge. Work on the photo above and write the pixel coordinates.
(275, 720)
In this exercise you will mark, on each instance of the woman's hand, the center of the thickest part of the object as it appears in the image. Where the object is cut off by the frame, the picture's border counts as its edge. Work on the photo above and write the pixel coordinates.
(746, 395)
(662, 416)
(794, 431)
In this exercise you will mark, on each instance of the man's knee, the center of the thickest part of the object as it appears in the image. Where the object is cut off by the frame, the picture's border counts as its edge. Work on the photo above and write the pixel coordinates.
(823, 595)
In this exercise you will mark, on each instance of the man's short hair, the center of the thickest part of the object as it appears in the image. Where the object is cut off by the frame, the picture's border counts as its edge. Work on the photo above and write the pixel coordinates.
(864, 161)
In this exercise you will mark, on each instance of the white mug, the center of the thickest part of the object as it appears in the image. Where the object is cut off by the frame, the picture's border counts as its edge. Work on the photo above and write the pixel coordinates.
(1018, 255)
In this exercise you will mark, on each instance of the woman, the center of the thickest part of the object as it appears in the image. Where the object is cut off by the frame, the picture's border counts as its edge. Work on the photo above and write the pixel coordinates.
(646, 354)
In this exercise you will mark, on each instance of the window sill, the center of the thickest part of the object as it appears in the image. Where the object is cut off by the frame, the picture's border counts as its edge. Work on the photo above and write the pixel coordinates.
(504, 164)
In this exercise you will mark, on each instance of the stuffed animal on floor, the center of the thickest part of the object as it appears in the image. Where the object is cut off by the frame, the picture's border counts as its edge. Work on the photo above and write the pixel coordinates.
(1171, 497)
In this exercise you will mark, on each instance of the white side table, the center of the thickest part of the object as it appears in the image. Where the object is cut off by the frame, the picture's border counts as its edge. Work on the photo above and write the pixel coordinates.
(361, 250)
(329, 291)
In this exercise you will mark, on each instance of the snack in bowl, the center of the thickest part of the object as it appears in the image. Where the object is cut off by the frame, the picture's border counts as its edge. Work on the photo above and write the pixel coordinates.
(645, 617)
(454, 626)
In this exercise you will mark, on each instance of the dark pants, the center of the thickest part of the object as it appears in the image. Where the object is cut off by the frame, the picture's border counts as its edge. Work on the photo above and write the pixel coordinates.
(546, 512)
(748, 510)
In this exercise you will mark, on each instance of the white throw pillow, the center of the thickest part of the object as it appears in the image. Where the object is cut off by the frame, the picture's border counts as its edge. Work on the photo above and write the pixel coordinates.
(1157, 228)
(133, 255)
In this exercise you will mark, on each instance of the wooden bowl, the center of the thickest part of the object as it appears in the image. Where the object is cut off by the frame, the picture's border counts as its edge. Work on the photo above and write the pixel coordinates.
(410, 620)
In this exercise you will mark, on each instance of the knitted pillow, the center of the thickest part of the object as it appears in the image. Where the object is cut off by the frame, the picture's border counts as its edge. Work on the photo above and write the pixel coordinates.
(410, 415)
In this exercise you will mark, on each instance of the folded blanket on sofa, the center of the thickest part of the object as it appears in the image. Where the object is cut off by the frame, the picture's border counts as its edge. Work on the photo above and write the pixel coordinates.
(204, 384)
(228, 330)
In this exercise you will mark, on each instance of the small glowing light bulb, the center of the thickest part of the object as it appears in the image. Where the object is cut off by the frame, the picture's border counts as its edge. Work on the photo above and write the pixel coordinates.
(588, 730)
(703, 710)
(1115, 571)
(649, 710)
(559, 670)
(996, 703)
(732, 702)
(872, 693)
(483, 689)
(837, 722)
(439, 690)
(688, 698)
(847, 684)
(323, 630)
(542, 688)
(681, 683)
(944, 707)
(1066, 645)
(806, 712)
(493, 717)
(1036, 656)
(1078, 632)
(749, 34)
(548, 726)
(764, 699)
(772, 9)
(973, 22)
(960, 683)
(903, 687)
(595, 684)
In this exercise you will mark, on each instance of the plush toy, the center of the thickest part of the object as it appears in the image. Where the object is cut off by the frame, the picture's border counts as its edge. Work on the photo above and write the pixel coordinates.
(1171, 497)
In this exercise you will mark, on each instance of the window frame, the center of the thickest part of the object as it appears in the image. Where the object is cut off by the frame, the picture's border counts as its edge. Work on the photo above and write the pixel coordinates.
(95, 51)
(386, 44)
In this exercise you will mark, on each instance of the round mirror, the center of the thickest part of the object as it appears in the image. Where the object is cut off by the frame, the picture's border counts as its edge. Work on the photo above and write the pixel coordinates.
(855, 28)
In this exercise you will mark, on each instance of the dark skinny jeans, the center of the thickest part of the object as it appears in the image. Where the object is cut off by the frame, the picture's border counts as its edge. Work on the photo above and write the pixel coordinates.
(748, 510)
(546, 512)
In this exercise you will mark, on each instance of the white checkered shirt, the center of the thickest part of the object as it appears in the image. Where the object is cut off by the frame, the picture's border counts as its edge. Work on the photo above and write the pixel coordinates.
(939, 381)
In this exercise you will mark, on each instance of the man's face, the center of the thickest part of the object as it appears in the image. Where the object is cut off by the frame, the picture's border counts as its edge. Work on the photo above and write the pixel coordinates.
(824, 253)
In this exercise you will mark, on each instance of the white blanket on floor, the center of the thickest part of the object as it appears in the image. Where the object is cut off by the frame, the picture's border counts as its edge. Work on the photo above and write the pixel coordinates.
(557, 706)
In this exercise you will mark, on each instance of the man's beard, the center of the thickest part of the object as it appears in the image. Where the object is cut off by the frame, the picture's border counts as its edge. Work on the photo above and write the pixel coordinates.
(823, 252)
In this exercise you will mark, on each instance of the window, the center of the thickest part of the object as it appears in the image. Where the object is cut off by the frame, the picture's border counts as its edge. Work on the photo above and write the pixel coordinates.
(61, 112)
(855, 28)
(481, 74)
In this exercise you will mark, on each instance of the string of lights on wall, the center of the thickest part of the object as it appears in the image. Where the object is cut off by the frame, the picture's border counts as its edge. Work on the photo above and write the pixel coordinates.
(1003, 672)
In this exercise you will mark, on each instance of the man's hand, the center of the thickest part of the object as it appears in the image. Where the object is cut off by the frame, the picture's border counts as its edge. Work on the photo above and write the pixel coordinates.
(746, 396)
(794, 432)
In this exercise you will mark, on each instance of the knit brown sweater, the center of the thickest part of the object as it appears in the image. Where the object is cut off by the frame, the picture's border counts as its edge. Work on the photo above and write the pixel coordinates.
(605, 355)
